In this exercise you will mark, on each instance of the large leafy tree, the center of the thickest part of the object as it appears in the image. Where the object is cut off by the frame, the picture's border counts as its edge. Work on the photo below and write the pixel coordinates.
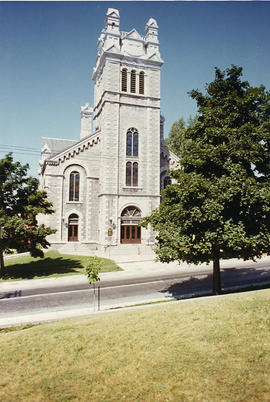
(219, 206)
(20, 203)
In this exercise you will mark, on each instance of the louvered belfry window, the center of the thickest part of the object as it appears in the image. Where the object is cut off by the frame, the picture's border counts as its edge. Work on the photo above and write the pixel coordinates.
(133, 81)
(124, 80)
(141, 83)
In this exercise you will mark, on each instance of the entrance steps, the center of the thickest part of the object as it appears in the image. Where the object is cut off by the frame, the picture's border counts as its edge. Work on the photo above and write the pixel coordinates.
(78, 248)
(128, 252)
(122, 252)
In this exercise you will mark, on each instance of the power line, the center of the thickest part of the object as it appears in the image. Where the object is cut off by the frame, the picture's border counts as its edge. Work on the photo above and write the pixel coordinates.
(20, 148)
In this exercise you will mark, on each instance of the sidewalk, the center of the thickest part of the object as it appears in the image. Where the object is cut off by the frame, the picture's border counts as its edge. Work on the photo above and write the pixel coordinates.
(138, 269)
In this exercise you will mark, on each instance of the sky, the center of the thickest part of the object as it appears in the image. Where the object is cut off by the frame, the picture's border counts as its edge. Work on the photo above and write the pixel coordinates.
(48, 51)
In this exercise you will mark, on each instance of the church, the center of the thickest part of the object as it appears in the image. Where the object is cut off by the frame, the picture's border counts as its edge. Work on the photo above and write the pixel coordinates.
(103, 183)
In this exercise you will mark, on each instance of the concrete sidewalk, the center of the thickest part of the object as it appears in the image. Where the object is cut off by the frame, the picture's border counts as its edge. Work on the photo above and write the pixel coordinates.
(131, 270)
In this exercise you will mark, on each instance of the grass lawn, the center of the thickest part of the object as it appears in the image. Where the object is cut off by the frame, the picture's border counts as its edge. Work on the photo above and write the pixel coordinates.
(212, 349)
(53, 264)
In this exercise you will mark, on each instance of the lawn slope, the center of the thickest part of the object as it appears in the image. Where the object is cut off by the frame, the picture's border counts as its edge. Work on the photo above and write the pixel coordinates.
(52, 265)
(212, 349)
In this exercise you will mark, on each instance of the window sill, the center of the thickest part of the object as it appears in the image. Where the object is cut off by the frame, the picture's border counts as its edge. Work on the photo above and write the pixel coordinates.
(74, 202)
(134, 94)
(131, 188)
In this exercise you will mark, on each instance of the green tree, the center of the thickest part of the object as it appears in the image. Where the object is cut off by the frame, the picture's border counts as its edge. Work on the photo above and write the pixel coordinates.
(175, 141)
(219, 206)
(93, 268)
(20, 203)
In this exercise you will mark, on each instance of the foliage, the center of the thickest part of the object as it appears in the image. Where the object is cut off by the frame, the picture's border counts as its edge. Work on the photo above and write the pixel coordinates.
(220, 205)
(20, 203)
(176, 138)
(176, 134)
(93, 268)
(198, 350)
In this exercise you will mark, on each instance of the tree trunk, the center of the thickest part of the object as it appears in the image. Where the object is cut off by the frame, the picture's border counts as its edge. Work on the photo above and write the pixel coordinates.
(2, 265)
(94, 286)
(216, 277)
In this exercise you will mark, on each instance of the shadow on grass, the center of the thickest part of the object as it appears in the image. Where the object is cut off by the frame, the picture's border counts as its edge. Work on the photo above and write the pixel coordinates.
(43, 268)
(232, 280)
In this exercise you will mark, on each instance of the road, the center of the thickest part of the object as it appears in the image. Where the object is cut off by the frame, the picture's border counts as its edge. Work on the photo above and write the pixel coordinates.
(40, 302)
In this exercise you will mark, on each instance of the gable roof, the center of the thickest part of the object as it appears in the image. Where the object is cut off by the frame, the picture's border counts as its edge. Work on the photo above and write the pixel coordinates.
(53, 146)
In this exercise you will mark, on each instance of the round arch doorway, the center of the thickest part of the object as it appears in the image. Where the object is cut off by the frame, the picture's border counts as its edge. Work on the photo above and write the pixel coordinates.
(130, 231)
(73, 227)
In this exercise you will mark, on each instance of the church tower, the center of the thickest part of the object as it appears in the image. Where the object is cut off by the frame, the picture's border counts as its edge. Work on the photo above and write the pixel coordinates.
(102, 184)
(127, 115)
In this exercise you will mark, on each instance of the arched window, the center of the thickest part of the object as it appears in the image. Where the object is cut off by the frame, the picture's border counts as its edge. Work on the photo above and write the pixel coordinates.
(74, 186)
(133, 81)
(135, 174)
(132, 143)
(128, 174)
(130, 231)
(124, 80)
(141, 83)
(132, 174)
(73, 227)
(167, 181)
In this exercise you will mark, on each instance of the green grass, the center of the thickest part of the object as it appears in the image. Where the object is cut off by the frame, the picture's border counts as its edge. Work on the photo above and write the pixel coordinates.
(53, 264)
(213, 349)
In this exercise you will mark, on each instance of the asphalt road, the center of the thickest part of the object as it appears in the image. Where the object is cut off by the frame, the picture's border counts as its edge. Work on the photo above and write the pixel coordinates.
(116, 293)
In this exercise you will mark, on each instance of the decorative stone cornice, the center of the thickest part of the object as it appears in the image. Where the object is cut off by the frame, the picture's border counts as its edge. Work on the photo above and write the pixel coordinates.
(76, 149)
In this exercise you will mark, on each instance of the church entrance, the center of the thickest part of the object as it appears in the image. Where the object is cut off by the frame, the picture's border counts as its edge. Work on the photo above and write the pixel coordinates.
(130, 231)
(73, 227)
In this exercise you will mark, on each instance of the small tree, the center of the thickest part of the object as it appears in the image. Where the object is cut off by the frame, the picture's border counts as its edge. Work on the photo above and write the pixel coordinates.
(220, 205)
(93, 268)
(176, 137)
(20, 203)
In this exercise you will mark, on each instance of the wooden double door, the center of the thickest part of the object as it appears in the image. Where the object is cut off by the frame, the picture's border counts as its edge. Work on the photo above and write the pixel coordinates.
(73, 233)
(73, 228)
(130, 234)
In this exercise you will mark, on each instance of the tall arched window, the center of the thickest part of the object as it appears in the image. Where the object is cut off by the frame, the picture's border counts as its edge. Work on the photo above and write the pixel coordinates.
(132, 143)
(135, 174)
(73, 227)
(74, 186)
(133, 81)
(141, 83)
(128, 173)
(132, 174)
(124, 80)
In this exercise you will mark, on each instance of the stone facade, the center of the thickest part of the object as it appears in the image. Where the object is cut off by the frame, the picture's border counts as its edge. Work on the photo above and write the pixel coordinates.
(104, 183)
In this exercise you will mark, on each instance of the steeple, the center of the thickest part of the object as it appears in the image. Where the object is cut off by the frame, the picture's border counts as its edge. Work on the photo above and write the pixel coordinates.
(151, 30)
(112, 21)
(151, 37)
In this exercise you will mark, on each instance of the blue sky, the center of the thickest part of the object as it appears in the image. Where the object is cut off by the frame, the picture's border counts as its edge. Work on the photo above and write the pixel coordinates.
(48, 51)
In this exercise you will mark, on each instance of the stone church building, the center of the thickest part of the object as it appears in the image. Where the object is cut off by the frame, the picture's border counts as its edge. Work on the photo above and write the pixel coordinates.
(104, 183)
